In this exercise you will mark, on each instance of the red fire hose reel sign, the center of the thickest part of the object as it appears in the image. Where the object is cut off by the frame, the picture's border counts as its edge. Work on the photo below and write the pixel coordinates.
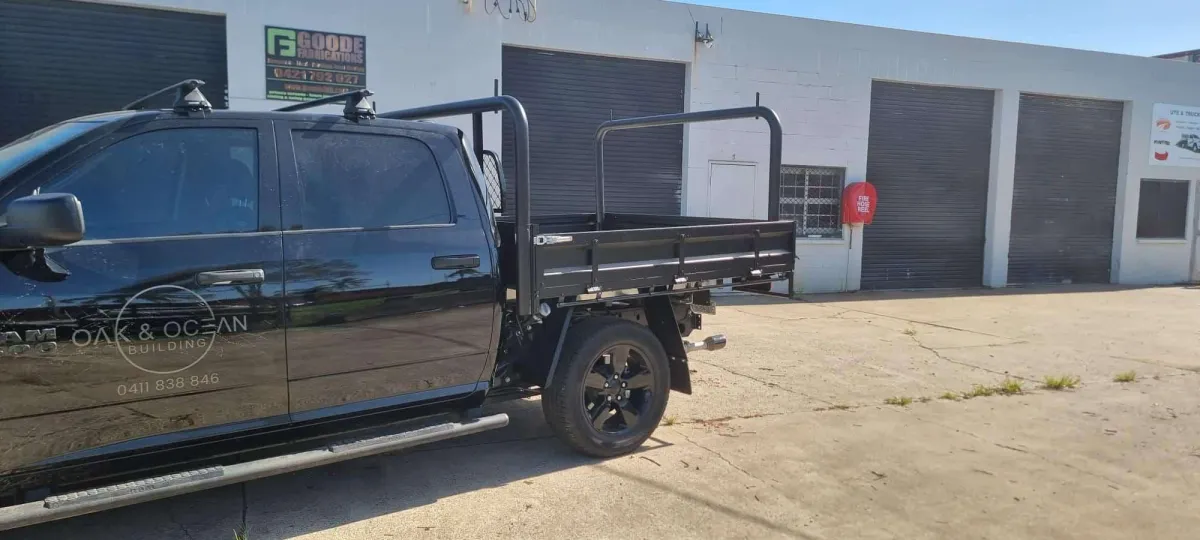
(858, 203)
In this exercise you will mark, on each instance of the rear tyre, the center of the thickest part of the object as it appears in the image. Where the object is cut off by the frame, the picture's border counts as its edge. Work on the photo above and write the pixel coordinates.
(610, 388)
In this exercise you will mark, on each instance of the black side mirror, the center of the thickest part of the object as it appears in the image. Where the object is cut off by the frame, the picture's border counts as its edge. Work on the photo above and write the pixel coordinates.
(46, 220)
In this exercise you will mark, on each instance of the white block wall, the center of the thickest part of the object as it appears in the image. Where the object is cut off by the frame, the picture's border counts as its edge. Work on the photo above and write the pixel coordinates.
(817, 75)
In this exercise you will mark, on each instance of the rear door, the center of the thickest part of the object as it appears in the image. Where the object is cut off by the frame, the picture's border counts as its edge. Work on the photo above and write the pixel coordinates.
(390, 280)
(167, 318)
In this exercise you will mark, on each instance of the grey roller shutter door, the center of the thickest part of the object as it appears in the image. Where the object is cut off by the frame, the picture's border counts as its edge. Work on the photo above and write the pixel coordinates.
(928, 155)
(567, 96)
(61, 59)
(1065, 190)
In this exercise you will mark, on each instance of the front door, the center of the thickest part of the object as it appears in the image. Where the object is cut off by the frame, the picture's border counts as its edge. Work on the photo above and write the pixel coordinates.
(167, 318)
(385, 304)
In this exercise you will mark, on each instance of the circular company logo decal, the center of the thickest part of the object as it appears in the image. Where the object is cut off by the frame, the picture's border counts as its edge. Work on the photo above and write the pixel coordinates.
(165, 329)
(1163, 124)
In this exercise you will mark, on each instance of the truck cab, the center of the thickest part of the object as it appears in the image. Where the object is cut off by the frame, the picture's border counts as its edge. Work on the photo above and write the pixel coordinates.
(184, 287)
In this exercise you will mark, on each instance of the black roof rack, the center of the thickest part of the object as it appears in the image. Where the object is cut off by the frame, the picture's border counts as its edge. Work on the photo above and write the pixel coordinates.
(188, 97)
(358, 107)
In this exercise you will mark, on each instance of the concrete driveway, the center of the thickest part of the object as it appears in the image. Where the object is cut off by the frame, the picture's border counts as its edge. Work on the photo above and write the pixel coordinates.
(788, 435)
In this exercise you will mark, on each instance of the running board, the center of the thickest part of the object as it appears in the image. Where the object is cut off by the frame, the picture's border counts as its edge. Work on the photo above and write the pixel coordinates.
(149, 489)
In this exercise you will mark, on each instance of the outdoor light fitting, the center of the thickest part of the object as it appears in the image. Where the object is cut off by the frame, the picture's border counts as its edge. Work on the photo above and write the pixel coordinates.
(706, 38)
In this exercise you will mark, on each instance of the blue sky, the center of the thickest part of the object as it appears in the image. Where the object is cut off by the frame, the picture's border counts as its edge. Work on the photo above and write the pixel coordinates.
(1120, 26)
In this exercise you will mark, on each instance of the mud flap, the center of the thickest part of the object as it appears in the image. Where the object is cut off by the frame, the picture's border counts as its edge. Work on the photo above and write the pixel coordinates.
(661, 319)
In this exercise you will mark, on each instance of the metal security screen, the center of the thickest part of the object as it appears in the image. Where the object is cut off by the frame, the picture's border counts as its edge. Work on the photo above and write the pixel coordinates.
(928, 154)
(1064, 190)
(567, 96)
(61, 59)
(812, 197)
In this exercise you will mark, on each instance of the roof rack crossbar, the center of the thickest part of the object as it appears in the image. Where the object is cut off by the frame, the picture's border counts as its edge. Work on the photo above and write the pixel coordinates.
(187, 97)
(357, 106)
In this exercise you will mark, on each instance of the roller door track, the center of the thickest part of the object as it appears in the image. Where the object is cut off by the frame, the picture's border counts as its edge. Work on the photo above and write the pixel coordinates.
(61, 59)
(567, 96)
(1065, 190)
(928, 155)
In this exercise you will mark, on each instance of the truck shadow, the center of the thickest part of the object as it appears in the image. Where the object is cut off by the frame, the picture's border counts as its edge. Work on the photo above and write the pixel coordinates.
(319, 499)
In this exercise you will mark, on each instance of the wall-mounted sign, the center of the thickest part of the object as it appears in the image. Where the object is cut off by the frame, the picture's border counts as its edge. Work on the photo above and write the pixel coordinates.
(307, 64)
(1175, 136)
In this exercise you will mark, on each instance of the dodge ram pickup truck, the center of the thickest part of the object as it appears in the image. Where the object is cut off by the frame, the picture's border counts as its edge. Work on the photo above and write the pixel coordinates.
(193, 297)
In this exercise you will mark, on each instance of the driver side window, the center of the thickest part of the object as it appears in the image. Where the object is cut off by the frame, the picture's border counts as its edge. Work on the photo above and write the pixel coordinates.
(171, 182)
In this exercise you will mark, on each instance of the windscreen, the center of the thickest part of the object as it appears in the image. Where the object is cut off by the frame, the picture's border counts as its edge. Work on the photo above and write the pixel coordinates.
(21, 151)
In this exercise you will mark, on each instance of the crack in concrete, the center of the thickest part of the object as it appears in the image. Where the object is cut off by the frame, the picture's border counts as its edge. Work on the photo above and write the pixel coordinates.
(171, 516)
(760, 381)
(244, 531)
(786, 319)
(1189, 369)
(986, 346)
(1023, 451)
(721, 457)
(935, 325)
(728, 418)
(941, 356)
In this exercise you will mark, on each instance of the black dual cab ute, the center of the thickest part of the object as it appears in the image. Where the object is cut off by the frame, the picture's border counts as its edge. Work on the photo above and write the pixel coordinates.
(262, 292)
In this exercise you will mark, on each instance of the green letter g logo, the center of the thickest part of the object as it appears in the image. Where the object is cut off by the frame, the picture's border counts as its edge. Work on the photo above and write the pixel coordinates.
(281, 39)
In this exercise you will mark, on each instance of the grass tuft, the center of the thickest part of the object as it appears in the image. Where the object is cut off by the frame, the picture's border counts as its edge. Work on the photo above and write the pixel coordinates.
(979, 390)
(670, 421)
(1061, 382)
(1125, 376)
(951, 396)
(902, 401)
(1009, 387)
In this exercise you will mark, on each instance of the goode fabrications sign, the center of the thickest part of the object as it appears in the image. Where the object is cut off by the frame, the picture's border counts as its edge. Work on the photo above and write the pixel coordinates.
(307, 64)
(1175, 136)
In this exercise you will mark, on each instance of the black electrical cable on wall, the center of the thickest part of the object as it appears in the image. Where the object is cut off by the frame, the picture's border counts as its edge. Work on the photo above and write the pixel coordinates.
(526, 10)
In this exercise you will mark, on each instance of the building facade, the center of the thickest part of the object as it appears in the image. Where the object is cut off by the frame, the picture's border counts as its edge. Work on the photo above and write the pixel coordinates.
(1192, 56)
(996, 163)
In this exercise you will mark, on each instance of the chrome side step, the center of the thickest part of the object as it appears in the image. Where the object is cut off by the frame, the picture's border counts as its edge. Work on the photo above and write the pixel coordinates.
(149, 489)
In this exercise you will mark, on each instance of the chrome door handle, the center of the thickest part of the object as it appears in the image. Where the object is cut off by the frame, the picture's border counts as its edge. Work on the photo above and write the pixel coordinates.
(231, 277)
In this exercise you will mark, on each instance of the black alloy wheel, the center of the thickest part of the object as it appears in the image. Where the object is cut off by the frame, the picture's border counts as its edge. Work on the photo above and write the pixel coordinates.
(610, 389)
(617, 389)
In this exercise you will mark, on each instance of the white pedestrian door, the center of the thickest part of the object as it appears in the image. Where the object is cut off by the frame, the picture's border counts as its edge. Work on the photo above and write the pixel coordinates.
(731, 190)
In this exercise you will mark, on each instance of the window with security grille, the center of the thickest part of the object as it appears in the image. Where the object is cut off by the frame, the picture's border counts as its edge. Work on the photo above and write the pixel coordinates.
(812, 196)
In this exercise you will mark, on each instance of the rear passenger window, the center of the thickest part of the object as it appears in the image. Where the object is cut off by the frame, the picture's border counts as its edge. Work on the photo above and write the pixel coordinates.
(350, 180)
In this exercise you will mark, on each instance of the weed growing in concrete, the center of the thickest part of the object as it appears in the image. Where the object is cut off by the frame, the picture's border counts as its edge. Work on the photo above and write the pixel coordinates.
(1060, 382)
(1125, 376)
(670, 421)
(840, 407)
(1009, 387)
(902, 401)
(242, 534)
(979, 390)
(910, 332)
(951, 396)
